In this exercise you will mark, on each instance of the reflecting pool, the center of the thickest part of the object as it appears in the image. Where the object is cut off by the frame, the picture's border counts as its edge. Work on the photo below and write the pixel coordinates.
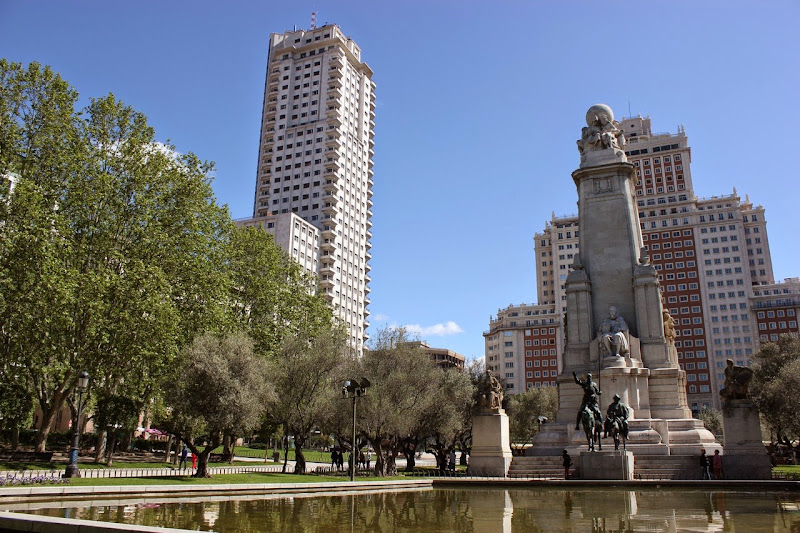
(477, 510)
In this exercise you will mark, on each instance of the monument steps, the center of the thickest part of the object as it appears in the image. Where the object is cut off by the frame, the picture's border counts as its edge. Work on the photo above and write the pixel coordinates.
(543, 466)
(645, 467)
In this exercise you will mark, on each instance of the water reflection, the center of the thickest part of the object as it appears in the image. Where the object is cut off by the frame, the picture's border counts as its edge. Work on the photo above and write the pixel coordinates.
(467, 510)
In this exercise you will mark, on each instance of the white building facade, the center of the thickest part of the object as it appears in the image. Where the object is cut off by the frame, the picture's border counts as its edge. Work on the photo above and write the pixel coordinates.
(315, 161)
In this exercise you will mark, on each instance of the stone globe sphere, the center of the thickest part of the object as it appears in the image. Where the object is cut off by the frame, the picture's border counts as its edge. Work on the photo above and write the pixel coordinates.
(598, 110)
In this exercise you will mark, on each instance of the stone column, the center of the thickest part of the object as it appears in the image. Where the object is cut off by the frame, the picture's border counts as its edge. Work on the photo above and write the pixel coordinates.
(610, 237)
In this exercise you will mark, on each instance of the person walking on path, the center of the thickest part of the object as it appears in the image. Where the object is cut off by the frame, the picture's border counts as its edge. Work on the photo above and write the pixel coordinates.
(335, 459)
(716, 463)
(452, 464)
(566, 463)
(184, 455)
(704, 471)
(194, 461)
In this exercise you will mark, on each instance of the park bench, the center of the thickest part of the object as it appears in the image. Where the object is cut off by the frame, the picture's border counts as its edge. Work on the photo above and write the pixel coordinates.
(26, 457)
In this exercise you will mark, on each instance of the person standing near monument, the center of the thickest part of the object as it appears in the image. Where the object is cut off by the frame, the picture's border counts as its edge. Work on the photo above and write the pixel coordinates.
(566, 463)
(704, 472)
(716, 463)
(591, 395)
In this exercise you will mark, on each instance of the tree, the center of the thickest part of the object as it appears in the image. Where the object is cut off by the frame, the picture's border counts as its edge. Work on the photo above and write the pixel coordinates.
(448, 415)
(712, 420)
(402, 389)
(306, 387)
(524, 411)
(222, 389)
(270, 296)
(111, 241)
(776, 378)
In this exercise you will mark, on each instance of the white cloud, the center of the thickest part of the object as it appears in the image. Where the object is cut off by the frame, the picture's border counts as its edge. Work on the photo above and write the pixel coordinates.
(379, 317)
(437, 330)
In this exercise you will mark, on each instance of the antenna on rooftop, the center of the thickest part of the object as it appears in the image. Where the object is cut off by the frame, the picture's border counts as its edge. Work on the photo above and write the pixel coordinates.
(629, 109)
(313, 20)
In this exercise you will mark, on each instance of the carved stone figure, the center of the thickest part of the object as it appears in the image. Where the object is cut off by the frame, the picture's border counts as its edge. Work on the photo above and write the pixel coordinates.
(613, 334)
(737, 382)
(601, 131)
(490, 393)
(669, 326)
(591, 396)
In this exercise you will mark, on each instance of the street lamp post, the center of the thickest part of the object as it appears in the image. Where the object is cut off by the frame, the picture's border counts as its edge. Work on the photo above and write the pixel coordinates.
(353, 389)
(72, 467)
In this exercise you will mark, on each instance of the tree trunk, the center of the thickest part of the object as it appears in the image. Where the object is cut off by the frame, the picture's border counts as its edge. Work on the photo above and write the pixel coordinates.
(233, 450)
(48, 418)
(15, 436)
(300, 460)
(202, 457)
(411, 462)
(112, 444)
(168, 448)
(125, 441)
(285, 454)
(227, 456)
(100, 449)
(384, 460)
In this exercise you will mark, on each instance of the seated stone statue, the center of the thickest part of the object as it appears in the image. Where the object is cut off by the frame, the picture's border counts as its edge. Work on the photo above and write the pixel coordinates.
(737, 382)
(612, 335)
(490, 393)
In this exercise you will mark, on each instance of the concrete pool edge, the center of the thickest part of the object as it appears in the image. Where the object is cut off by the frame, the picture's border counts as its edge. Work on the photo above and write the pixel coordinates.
(55, 492)
(632, 484)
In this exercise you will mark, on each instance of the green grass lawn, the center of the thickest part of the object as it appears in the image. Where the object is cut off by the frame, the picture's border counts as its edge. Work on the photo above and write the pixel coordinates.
(117, 464)
(313, 456)
(220, 479)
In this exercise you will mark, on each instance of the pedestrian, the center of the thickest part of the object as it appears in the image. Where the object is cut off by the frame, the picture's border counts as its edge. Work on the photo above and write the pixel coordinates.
(194, 461)
(705, 473)
(361, 460)
(369, 459)
(340, 459)
(184, 455)
(334, 458)
(452, 464)
(566, 463)
(716, 463)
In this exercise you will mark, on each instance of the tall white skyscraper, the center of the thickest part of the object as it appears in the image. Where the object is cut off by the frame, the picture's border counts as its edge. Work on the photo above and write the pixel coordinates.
(315, 161)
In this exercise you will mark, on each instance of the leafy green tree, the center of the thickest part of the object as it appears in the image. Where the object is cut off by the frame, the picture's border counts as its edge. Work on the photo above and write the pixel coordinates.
(403, 388)
(712, 420)
(222, 388)
(447, 416)
(306, 387)
(524, 411)
(111, 244)
(776, 380)
(16, 402)
(271, 298)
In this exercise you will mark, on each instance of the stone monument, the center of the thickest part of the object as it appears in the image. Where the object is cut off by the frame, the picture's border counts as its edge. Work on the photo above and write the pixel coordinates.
(744, 455)
(491, 441)
(616, 325)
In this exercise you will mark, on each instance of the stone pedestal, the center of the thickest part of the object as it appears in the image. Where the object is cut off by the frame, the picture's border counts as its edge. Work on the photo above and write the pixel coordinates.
(744, 455)
(616, 464)
(491, 445)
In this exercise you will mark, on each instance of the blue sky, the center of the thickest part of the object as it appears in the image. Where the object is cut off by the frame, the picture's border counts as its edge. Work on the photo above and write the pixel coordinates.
(479, 105)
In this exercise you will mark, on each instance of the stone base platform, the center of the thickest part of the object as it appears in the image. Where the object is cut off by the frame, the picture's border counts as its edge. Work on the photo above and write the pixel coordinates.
(606, 465)
(491, 445)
